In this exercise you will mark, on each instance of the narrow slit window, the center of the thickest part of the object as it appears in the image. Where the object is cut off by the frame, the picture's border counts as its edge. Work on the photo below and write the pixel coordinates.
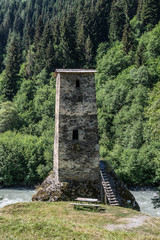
(75, 134)
(77, 84)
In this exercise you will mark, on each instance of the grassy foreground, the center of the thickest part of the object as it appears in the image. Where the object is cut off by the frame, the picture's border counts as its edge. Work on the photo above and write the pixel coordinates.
(44, 220)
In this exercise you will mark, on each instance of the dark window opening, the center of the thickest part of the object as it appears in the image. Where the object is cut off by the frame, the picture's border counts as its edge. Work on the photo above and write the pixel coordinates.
(77, 84)
(75, 134)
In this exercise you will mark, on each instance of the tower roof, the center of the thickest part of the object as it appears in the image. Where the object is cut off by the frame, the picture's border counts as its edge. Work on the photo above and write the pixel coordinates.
(75, 71)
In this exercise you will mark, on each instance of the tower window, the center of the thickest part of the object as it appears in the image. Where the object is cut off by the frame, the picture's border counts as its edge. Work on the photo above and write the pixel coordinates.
(75, 135)
(77, 83)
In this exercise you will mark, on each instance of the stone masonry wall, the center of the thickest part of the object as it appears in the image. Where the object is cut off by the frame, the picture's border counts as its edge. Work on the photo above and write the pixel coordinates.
(78, 159)
(56, 136)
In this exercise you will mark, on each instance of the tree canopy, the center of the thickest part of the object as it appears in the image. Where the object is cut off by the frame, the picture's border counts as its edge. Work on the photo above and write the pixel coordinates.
(121, 39)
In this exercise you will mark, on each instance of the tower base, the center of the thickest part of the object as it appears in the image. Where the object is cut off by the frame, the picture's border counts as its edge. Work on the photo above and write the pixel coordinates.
(50, 191)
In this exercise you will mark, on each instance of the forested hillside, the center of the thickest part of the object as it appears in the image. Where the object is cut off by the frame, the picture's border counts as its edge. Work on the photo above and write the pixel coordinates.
(121, 39)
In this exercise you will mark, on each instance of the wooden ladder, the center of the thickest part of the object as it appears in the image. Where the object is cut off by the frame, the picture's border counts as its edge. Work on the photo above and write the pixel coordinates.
(108, 187)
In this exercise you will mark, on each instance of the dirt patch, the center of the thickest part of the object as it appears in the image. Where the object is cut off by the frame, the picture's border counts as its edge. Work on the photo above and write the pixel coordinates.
(133, 222)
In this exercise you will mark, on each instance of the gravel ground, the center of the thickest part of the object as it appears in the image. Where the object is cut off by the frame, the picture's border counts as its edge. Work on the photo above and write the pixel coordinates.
(133, 222)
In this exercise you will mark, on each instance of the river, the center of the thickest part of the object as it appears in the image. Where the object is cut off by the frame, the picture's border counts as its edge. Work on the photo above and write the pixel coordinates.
(144, 199)
(11, 196)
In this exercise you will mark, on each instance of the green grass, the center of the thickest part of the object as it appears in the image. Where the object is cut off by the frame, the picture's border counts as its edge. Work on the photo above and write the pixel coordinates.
(59, 220)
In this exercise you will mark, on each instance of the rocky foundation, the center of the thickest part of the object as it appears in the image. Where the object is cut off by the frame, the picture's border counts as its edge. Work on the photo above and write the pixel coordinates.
(66, 191)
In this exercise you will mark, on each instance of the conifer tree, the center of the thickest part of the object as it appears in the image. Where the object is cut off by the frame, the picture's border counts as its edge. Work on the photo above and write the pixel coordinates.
(81, 39)
(2, 46)
(88, 53)
(29, 66)
(148, 12)
(132, 6)
(127, 38)
(47, 35)
(18, 24)
(12, 67)
(117, 20)
(56, 32)
(139, 9)
(28, 34)
(102, 10)
(68, 40)
(140, 60)
(38, 32)
(38, 48)
(49, 58)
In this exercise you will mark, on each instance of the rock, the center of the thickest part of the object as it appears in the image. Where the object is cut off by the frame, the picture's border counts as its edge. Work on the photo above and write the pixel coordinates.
(65, 191)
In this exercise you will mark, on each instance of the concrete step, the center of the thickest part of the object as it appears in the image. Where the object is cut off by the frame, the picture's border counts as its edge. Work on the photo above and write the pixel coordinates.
(112, 197)
(107, 186)
(110, 192)
(114, 202)
(107, 190)
(106, 183)
(105, 177)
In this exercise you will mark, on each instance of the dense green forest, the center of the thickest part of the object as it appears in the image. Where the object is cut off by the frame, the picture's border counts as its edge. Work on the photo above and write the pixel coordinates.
(121, 39)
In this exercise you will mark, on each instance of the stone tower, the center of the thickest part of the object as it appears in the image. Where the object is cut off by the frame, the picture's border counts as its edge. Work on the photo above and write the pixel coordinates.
(76, 148)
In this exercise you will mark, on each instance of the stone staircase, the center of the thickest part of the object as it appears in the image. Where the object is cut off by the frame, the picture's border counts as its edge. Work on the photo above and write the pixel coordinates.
(107, 186)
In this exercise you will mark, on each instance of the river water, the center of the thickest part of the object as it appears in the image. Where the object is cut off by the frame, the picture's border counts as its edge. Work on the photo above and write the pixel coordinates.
(11, 196)
(144, 199)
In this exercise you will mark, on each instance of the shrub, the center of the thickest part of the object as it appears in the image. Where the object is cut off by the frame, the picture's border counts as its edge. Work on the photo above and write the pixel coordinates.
(22, 157)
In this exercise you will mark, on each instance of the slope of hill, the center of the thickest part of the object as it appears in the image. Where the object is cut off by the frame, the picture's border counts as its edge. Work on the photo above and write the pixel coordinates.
(118, 38)
(41, 220)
